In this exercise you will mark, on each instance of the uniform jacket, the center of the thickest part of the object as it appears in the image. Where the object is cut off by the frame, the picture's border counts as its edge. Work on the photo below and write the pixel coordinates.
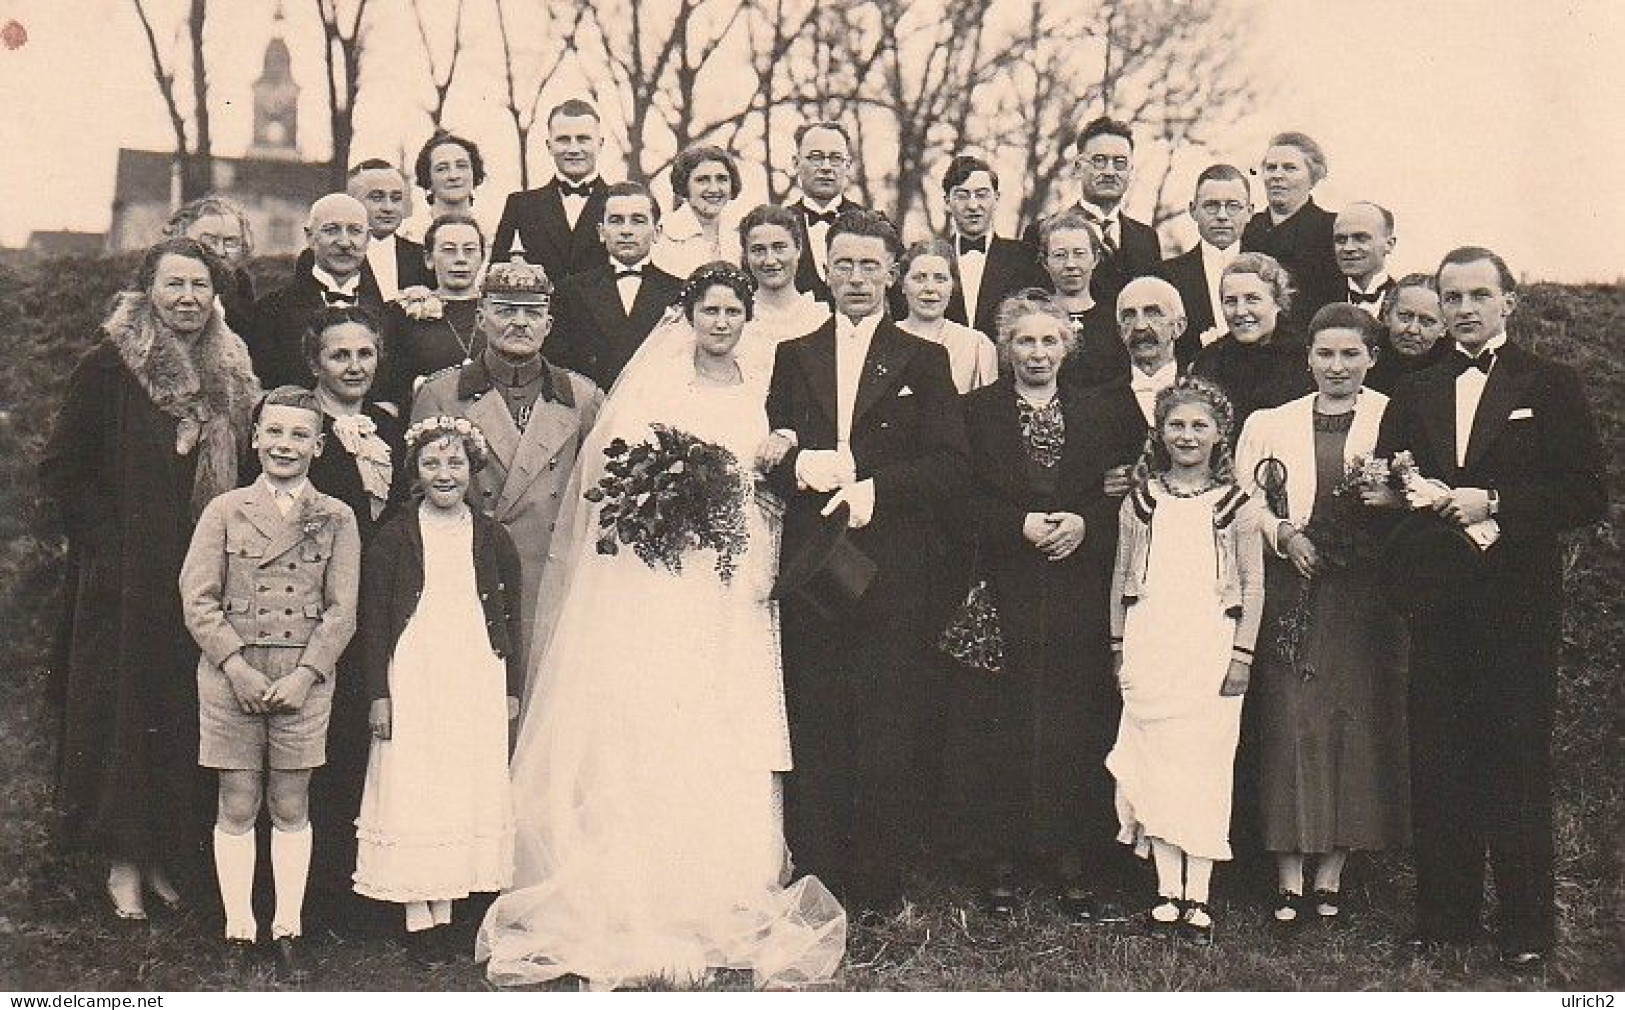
(392, 585)
(252, 577)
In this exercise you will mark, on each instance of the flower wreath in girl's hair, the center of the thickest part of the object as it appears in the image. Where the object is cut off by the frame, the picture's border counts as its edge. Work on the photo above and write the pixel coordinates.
(1189, 389)
(431, 430)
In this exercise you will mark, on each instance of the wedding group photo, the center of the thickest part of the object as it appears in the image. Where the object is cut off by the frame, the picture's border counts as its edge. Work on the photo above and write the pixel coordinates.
(811, 495)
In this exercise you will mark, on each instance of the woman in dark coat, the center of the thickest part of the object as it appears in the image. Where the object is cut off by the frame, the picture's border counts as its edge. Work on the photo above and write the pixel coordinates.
(151, 427)
(1025, 773)
(1261, 361)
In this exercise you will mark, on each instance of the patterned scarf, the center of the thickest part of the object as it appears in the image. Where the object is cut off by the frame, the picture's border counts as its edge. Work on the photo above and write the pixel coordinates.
(1043, 430)
(206, 384)
(359, 436)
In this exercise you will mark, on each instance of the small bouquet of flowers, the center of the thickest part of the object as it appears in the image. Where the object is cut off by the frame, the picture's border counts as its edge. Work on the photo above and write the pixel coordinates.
(312, 518)
(1341, 530)
(418, 302)
(669, 495)
(1422, 493)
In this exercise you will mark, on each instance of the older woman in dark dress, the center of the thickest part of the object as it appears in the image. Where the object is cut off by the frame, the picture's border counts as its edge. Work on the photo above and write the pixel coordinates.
(1411, 314)
(1025, 776)
(151, 426)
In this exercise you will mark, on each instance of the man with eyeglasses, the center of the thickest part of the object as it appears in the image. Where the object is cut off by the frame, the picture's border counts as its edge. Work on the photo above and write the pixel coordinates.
(532, 411)
(823, 165)
(990, 267)
(336, 234)
(1220, 207)
(877, 431)
(1103, 166)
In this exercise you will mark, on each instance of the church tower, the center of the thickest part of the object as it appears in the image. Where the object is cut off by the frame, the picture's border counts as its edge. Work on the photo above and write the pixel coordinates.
(276, 101)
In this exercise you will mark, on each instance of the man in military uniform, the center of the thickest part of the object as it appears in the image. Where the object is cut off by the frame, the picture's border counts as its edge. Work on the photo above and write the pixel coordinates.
(533, 413)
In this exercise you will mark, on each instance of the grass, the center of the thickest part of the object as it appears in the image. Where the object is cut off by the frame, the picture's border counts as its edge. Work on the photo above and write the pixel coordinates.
(54, 936)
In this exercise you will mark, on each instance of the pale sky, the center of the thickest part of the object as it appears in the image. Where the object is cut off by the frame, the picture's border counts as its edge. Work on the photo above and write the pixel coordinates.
(1494, 122)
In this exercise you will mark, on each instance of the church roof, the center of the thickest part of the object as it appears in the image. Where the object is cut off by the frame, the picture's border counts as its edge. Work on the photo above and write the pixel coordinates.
(144, 177)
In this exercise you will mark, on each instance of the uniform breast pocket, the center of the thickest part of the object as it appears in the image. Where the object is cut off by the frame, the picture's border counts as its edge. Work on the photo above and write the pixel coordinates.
(318, 548)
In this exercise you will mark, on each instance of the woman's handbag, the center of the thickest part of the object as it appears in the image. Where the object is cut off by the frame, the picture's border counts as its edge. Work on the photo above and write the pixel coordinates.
(973, 638)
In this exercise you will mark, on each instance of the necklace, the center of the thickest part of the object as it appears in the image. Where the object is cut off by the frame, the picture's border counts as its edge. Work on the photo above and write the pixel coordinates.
(1177, 492)
(468, 355)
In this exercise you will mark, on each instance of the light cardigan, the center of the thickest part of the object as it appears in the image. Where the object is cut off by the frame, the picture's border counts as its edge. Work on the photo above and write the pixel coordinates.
(682, 247)
(1287, 433)
(1240, 553)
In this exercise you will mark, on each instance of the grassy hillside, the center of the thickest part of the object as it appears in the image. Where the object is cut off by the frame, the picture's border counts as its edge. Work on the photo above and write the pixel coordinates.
(55, 936)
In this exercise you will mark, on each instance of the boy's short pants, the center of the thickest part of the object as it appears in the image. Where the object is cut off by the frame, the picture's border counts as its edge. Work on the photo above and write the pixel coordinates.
(230, 738)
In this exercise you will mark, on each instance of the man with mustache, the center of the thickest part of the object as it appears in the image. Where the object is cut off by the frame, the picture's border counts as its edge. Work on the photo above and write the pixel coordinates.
(337, 233)
(393, 261)
(556, 225)
(990, 267)
(1104, 166)
(1220, 207)
(533, 413)
(1363, 238)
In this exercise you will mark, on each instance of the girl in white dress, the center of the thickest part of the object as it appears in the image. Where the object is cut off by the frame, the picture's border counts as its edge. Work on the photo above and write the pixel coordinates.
(439, 628)
(650, 842)
(1187, 593)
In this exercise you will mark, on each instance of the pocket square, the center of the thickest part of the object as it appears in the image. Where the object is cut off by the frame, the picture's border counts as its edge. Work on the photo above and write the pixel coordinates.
(905, 391)
(1521, 414)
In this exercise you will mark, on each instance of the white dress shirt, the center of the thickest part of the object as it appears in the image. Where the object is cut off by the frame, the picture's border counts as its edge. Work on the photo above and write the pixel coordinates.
(1146, 387)
(573, 205)
(1377, 284)
(852, 342)
(285, 498)
(1469, 390)
(385, 268)
(972, 264)
(818, 232)
(627, 285)
(350, 288)
(1214, 260)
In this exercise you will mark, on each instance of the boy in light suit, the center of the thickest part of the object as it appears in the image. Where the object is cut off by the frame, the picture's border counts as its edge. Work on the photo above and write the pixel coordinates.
(268, 590)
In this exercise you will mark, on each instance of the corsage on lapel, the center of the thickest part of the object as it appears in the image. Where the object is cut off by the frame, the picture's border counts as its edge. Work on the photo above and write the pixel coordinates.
(313, 519)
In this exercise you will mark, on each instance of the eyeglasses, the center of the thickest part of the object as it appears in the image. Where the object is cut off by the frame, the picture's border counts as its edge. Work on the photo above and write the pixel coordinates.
(818, 159)
(1235, 208)
(220, 243)
(869, 269)
(962, 195)
(1069, 255)
(1102, 162)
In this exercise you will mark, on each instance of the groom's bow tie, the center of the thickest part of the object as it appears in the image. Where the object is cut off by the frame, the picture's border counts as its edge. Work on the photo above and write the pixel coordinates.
(582, 189)
(977, 244)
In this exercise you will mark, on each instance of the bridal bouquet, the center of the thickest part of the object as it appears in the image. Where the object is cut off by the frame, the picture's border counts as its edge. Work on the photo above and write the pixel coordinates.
(669, 495)
(1341, 530)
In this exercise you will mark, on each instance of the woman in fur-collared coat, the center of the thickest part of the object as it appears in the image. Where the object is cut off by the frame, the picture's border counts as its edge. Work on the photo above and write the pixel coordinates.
(150, 429)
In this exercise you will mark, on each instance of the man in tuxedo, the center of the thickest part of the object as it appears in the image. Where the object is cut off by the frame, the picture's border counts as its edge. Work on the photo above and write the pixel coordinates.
(1293, 229)
(1363, 237)
(1510, 439)
(1151, 321)
(823, 167)
(336, 235)
(990, 267)
(1220, 207)
(533, 414)
(1103, 165)
(394, 261)
(556, 225)
(876, 427)
(605, 312)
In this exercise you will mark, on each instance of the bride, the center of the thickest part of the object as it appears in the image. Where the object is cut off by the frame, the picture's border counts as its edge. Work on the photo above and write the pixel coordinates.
(649, 835)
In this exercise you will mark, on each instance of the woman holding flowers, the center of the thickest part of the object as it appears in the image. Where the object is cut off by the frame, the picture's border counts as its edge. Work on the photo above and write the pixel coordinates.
(649, 842)
(1330, 684)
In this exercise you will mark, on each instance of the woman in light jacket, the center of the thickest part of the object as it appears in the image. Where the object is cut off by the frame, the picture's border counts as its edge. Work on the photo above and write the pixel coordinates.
(1330, 684)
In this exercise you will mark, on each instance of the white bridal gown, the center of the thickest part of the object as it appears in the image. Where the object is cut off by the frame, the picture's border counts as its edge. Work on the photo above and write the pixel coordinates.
(650, 842)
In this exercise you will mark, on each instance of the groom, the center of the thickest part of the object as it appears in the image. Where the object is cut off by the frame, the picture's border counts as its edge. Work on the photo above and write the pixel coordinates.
(877, 427)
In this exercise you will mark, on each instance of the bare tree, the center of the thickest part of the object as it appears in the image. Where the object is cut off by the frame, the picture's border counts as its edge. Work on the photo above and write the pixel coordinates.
(565, 20)
(441, 83)
(1167, 67)
(194, 149)
(345, 41)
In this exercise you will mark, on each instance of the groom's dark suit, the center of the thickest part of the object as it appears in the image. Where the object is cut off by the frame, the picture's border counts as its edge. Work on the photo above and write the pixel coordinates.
(855, 687)
(1485, 636)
